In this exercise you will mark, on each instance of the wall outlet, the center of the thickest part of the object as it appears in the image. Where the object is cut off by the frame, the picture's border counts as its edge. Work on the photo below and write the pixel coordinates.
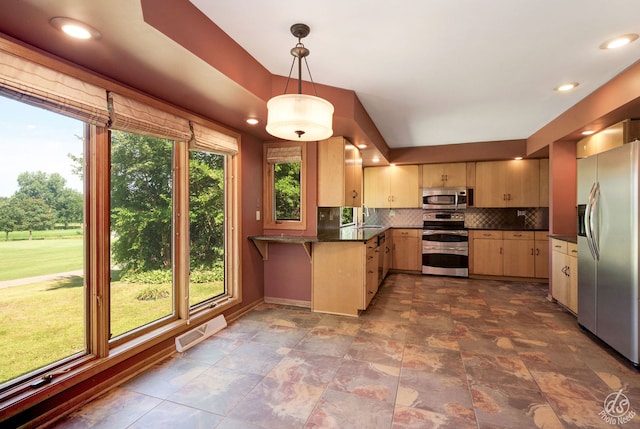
(257, 214)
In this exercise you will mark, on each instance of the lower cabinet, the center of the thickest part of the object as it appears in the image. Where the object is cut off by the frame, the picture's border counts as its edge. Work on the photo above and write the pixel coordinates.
(564, 274)
(510, 253)
(386, 252)
(407, 249)
(345, 276)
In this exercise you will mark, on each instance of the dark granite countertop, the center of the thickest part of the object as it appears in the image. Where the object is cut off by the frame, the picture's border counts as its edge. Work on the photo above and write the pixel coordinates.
(505, 228)
(567, 238)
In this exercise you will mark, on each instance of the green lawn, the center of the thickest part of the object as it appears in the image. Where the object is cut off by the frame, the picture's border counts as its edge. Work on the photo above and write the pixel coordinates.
(29, 258)
(41, 323)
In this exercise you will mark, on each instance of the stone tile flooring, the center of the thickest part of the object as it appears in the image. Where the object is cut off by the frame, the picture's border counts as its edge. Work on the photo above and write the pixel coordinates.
(430, 352)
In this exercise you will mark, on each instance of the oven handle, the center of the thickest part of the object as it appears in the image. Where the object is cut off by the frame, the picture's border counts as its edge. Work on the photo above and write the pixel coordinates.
(441, 249)
(445, 231)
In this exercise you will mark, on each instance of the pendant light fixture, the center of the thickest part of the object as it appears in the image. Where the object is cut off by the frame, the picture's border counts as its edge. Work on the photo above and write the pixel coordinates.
(299, 117)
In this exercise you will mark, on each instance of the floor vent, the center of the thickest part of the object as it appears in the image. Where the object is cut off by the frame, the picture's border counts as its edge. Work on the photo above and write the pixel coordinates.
(201, 333)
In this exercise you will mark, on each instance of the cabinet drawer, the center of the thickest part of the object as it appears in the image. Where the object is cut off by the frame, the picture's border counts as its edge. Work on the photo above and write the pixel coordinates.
(406, 232)
(518, 235)
(572, 249)
(541, 235)
(487, 234)
(559, 246)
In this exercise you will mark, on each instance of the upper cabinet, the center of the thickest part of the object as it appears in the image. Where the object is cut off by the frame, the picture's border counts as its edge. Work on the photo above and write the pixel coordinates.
(392, 187)
(616, 135)
(444, 175)
(513, 183)
(339, 173)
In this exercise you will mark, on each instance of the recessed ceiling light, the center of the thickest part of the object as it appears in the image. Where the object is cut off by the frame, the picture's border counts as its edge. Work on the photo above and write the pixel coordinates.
(619, 41)
(566, 86)
(588, 132)
(375, 159)
(518, 158)
(74, 28)
(252, 121)
(362, 146)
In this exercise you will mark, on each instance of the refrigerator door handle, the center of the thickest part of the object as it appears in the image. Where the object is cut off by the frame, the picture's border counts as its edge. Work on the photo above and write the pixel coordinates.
(588, 223)
(593, 225)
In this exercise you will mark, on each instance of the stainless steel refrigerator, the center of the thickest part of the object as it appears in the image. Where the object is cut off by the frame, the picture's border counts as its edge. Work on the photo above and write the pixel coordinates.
(608, 239)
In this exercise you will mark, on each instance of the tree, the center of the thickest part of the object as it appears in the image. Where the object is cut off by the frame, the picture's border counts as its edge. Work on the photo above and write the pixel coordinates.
(286, 178)
(38, 215)
(65, 202)
(206, 208)
(11, 215)
(141, 201)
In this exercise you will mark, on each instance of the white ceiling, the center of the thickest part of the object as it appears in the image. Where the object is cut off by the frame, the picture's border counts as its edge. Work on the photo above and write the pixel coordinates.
(432, 72)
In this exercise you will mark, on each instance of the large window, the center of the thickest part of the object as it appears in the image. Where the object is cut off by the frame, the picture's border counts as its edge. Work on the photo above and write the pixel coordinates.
(42, 298)
(206, 226)
(141, 231)
(108, 224)
(285, 182)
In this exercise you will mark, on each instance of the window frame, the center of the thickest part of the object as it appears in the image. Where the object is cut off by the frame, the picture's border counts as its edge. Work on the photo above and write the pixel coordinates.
(106, 364)
(269, 189)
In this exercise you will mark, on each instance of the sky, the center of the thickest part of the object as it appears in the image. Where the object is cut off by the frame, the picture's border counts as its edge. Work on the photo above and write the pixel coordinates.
(34, 139)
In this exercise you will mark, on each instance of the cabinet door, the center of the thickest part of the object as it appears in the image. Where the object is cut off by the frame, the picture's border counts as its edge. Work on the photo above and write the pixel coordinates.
(353, 176)
(518, 258)
(331, 172)
(376, 187)
(404, 186)
(543, 200)
(491, 184)
(542, 259)
(559, 278)
(487, 255)
(446, 174)
(406, 250)
(523, 183)
(572, 287)
(388, 253)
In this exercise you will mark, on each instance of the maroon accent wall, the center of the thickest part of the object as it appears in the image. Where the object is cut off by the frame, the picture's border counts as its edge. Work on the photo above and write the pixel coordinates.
(562, 188)
(287, 273)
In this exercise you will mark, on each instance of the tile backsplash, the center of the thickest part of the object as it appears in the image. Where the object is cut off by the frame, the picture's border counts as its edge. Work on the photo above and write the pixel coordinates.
(527, 218)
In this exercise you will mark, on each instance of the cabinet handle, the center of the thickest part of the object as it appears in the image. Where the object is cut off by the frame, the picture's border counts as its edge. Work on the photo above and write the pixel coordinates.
(537, 252)
(568, 271)
(501, 250)
(532, 251)
(504, 197)
(574, 251)
(442, 178)
(354, 193)
(564, 270)
(370, 292)
(389, 198)
(486, 235)
(517, 235)
(557, 246)
(370, 272)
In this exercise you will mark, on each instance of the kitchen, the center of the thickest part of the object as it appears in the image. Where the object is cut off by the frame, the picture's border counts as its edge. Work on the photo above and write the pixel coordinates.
(554, 140)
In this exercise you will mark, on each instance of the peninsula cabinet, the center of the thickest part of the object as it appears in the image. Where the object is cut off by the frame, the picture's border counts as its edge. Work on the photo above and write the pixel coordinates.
(510, 253)
(444, 175)
(564, 274)
(345, 276)
(339, 173)
(513, 183)
(407, 249)
(392, 187)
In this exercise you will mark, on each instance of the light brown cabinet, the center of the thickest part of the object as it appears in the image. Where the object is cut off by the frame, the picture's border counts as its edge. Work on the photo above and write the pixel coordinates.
(564, 274)
(444, 175)
(509, 253)
(387, 253)
(392, 187)
(407, 249)
(514, 183)
(345, 276)
(339, 173)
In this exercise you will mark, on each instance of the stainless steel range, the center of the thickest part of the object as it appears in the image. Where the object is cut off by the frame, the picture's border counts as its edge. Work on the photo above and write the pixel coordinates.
(445, 244)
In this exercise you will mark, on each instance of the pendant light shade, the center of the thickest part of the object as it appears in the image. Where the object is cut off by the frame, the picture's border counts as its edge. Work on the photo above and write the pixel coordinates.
(299, 117)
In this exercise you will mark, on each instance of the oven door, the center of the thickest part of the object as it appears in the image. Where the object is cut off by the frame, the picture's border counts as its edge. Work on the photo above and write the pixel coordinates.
(445, 252)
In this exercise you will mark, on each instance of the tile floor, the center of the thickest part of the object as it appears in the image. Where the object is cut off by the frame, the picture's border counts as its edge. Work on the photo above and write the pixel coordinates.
(430, 352)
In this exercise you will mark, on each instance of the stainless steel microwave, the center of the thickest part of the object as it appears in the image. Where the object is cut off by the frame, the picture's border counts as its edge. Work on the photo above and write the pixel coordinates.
(444, 198)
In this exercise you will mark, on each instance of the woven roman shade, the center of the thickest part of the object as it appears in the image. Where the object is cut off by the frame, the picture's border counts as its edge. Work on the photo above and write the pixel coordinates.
(40, 86)
(205, 138)
(283, 154)
(135, 117)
